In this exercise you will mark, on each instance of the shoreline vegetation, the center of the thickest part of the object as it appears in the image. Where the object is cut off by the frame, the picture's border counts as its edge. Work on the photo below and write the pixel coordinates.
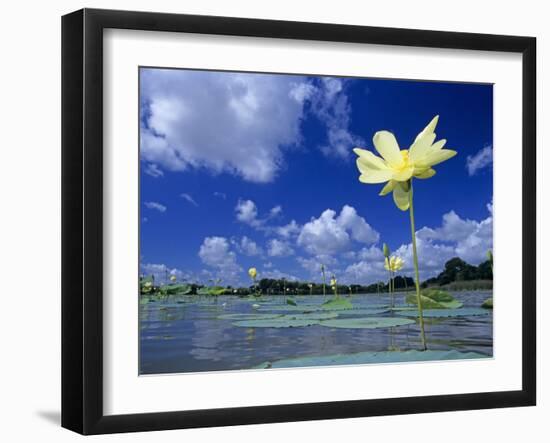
(456, 276)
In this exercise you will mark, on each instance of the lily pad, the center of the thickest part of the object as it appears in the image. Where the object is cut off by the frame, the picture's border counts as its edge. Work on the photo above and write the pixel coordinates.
(428, 303)
(437, 295)
(289, 308)
(337, 304)
(291, 302)
(464, 312)
(366, 322)
(312, 316)
(280, 322)
(248, 316)
(349, 312)
(488, 304)
(362, 358)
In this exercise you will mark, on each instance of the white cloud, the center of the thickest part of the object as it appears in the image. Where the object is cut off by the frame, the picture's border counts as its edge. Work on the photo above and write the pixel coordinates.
(153, 170)
(364, 272)
(480, 160)
(313, 265)
(289, 230)
(360, 230)
(221, 195)
(189, 198)
(256, 116)
(216, 253)
(279, 248)
(331, 234)
(275, 211)
(330, 104)
(248, 247)
(456, 237)
(155, 205)
(277, 275)
(247, 212)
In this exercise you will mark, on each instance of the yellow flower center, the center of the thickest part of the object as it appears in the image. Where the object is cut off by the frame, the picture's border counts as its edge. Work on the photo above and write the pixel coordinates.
(407, 163)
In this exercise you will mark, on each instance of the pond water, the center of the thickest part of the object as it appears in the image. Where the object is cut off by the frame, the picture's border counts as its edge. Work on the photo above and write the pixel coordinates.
(187, 334)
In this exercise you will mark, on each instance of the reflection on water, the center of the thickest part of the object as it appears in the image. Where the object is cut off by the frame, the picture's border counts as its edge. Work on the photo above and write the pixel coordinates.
(187, 336)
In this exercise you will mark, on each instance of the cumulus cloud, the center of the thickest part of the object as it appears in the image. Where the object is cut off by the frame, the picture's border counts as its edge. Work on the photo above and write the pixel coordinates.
(480, 160)
(247, 212)
(216, 252)
(279, 248)
(252, 118)
(277, 275)
(248, 247)
(275, 211)
(331, 234)
(153, 170)
(330, 104)
(155, 205)
(189, 198)
(289, 230)
(313, 265)
(456, 237)
(221, 195)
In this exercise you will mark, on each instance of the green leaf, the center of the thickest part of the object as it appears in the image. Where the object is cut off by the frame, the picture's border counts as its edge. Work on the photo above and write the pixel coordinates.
(176, 289)
(248, 316)
(429, 303)
(464, 312)
(280, 322)
(488, 304)
(363, 312)
(362, 358)
(337, 304)
(312, 316)
(437, 295)
(366, 322)
(290, 301)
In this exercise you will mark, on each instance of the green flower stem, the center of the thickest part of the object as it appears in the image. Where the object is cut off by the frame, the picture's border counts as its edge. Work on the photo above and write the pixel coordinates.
(416, 274)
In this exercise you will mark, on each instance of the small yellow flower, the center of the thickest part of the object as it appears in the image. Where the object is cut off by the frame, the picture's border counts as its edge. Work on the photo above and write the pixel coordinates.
(393, 263)
(148, 284)
(397, 167)
(252, 272)
(333, 282)
(172, 278)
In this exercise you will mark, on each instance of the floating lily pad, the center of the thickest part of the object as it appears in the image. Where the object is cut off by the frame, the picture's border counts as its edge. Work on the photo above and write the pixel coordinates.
(312, 316)
(362, 358)
(290, 301)
(280, 322)
(428, 303)
(463, 312)
(248, 316)
(488, 304)
(337, 304)
(438, 295)
(366, 322)
(363, 312)
(289, 308)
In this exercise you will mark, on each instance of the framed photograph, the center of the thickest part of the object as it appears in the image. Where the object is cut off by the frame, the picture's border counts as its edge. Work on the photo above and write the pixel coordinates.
(269, 221)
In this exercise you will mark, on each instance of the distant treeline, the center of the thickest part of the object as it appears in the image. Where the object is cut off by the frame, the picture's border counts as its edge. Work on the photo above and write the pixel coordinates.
(457, 275)
(457, 272)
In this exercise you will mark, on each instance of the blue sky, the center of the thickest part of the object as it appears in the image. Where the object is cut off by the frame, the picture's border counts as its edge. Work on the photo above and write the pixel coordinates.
(241, 169)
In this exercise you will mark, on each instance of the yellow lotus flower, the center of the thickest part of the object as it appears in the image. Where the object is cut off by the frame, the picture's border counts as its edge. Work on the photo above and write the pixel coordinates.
(333, 282)
(252, 272)
(148, 284)
(397, 167)
(172, 278)
(393, 263)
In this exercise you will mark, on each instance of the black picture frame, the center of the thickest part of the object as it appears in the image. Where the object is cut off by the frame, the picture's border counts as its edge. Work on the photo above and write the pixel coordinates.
(82, 218)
